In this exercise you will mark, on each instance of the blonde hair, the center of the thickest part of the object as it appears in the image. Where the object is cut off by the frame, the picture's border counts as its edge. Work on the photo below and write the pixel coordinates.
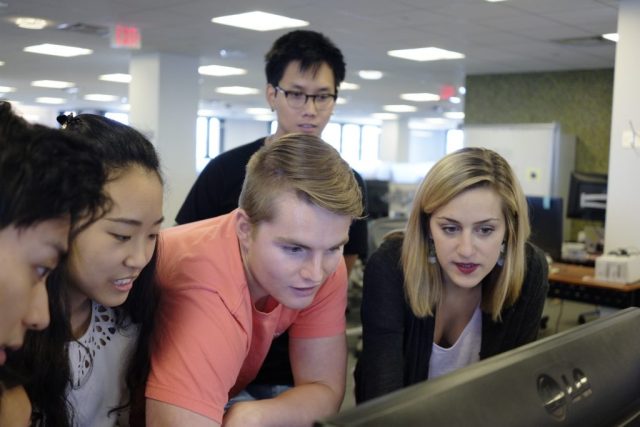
(457, 172)
(305, 165)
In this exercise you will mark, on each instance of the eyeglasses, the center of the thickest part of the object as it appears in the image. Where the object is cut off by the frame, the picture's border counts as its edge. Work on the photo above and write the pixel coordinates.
(297, 99)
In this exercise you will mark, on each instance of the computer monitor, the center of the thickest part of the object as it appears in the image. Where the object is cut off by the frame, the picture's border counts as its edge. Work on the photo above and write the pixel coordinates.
(546, 217)
(585, 376)
(587, 196)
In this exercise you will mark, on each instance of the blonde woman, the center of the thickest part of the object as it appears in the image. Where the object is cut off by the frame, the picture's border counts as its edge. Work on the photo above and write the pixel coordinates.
(459, 285)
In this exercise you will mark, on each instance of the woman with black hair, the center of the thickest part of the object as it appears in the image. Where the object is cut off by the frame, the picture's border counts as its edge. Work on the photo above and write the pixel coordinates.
(90, 366)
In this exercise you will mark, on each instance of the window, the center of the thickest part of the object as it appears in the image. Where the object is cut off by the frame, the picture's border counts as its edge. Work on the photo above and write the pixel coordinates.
(208, 140)
(354, 142)
(350, 148)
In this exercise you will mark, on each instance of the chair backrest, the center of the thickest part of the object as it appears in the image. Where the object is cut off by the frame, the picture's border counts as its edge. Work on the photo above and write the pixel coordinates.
(380, 227)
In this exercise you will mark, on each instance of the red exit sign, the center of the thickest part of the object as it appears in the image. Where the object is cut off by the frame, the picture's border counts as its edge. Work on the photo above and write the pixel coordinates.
(126, 37)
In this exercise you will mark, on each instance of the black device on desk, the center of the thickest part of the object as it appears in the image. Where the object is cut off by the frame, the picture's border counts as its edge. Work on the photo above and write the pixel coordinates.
(585, 376)
(546, 217)
(587, 196)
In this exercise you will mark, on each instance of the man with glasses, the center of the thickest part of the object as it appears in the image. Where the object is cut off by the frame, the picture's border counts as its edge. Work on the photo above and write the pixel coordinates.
(303, 69)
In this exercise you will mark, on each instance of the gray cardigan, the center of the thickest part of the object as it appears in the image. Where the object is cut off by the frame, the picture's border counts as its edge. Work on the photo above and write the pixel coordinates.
(397, 344)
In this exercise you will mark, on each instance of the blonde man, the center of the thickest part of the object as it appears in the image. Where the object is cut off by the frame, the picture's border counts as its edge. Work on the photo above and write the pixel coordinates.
(460, 285)
(232, 283)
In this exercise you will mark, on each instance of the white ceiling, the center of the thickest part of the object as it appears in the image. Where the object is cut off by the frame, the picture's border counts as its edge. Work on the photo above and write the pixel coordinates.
(508, 37)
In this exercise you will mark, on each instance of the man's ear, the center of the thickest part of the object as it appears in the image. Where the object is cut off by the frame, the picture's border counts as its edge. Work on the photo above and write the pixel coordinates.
(243, 228)
(270, 95)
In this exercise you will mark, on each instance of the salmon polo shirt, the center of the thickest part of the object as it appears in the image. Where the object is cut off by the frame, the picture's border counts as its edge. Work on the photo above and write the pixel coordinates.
(209, 340)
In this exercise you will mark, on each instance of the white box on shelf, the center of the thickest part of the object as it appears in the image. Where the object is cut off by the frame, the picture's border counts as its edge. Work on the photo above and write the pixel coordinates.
(618, 268)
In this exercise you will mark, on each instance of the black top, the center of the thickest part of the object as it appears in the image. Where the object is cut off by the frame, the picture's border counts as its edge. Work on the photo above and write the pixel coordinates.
(397, 344)
(217, 190)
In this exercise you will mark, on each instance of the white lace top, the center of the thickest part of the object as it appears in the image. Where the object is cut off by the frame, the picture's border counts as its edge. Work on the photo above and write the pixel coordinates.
(98, 362)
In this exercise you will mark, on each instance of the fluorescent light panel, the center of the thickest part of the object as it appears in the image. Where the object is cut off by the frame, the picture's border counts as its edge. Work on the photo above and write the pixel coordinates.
(614, 37)
(220, 71)
(57, 50)
(425, 54)
(400, 108)
(100, 97)
(50, 100)
(237, 90)
(370, 74)
(52, 84)
(457, 115)
(258, 111)
(348, 86)
(7, 89)
(116, 77)
(420, 97)
(384, 116)
(30, 23)
(259, 21)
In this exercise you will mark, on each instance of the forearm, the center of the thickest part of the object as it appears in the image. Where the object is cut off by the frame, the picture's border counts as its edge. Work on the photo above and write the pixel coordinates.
(297, 407)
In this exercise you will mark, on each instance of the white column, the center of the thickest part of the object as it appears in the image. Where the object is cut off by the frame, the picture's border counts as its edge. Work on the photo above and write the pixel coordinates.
(394, 141)
(163, 95)
(622, 228)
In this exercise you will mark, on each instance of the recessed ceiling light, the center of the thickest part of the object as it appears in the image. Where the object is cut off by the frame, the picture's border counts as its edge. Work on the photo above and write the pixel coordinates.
(420, 97)
(370, 74)
(455, 100)
(7, 89)
(237, 90)
(348, 86)
(462, 90)
(220, 71)
(53, 84)
(258, 111)
(458, 115)
(259, 21)
(57, 50)
(400, 108)
(100, 97)
(384, 116)
(31, 23)
(614, 37)
(50, 100)
(116, 77)
(425, 54)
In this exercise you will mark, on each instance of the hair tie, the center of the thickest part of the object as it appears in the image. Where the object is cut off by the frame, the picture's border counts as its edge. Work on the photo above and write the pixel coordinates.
(66, 119)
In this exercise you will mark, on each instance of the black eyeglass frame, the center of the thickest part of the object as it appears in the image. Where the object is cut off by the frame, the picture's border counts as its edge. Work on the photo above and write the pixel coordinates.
(333, 96)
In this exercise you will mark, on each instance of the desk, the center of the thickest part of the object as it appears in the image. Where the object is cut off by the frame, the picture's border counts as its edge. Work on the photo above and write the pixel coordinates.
(577, 283)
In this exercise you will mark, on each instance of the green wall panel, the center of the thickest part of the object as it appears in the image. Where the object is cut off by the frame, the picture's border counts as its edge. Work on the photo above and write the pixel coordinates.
(579, 100)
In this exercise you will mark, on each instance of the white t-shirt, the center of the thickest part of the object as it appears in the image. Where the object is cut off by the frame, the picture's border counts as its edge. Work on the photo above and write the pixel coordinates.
(98, 362)
(465, 351)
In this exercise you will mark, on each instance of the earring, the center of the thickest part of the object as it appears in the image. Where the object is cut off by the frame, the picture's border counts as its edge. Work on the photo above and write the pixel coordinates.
(500, 261)
(431, 258)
